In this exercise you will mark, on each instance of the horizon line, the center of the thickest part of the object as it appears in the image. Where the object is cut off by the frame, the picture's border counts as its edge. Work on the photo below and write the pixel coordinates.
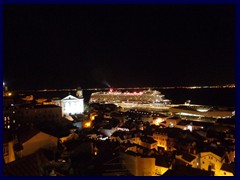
(150, 87)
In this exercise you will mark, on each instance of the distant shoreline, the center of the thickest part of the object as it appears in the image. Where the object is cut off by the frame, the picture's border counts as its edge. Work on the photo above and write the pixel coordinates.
(229, 86)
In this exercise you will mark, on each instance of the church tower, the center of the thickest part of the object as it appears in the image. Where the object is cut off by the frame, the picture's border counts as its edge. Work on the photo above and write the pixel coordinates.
(79, 92)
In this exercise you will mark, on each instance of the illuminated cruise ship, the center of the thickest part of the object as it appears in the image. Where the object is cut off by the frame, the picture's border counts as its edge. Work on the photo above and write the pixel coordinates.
(143, 99)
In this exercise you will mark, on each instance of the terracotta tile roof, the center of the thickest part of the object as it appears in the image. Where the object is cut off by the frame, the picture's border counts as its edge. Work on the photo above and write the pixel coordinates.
(26, 135)
(228, 168)
(217, 151)
(147, 139)
(163, 161)
(7, 137)
(188, 157)
(182, 170)
(26, 166)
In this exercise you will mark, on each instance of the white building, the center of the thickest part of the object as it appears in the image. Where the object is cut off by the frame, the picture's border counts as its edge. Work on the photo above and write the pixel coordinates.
(72, 105)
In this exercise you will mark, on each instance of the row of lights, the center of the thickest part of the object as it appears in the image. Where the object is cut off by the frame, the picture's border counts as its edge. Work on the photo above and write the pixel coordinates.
(154, 114)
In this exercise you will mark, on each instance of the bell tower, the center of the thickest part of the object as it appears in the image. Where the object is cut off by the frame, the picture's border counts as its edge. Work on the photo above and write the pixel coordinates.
(79, 92)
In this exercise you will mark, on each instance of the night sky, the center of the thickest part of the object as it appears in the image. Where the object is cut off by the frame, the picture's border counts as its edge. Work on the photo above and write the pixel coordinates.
(66, 46)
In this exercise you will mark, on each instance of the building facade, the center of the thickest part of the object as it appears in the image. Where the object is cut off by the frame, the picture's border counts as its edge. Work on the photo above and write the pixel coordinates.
(72, 105)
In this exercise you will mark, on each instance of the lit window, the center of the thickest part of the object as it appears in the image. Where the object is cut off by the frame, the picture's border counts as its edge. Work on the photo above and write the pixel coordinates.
(8, 126)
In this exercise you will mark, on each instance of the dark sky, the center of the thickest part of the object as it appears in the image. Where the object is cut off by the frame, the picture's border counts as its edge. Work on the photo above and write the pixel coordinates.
(66, 46)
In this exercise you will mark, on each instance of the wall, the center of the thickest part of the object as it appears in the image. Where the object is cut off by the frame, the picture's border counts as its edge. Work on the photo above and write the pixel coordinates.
(74, 106)
(161, 140)
(139, 166)
(31, 114)
(223, 173)
(8, 153)
(159, 170)
(208, 158)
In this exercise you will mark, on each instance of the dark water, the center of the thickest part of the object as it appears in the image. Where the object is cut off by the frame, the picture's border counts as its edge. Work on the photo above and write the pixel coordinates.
(213, 97)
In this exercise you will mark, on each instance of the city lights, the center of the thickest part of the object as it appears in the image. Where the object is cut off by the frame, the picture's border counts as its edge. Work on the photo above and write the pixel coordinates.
(170, 108)
(87, 124)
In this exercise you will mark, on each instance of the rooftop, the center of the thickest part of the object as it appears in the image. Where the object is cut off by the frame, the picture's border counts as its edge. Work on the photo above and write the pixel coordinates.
(228, 168)
(188, 157)
(27, 166)
(26, 134)
(181, 170)
(147, 139)
(163, 161)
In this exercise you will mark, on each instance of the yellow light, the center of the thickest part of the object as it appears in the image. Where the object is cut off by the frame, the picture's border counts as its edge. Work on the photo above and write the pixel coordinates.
(87, 124)
(92, 117)
(158, 121)
(9, 94)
